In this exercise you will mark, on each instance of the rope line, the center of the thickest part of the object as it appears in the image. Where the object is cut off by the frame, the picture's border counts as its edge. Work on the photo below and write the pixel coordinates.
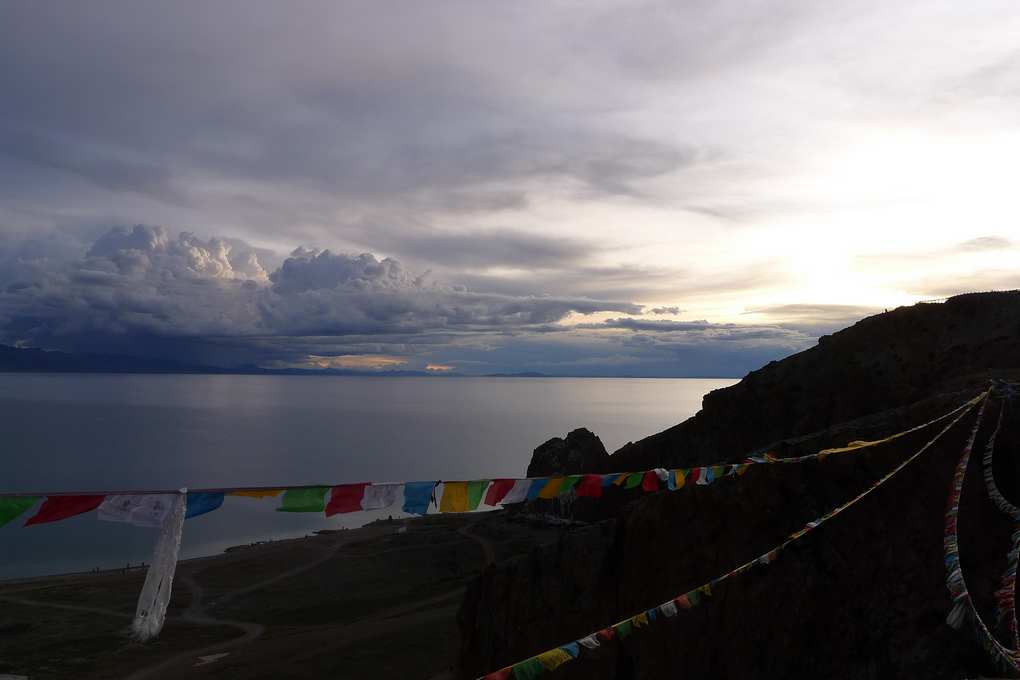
(963, 605)
(570, 651)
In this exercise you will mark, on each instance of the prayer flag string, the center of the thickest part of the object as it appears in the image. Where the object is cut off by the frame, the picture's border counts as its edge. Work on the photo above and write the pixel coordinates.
(537, 665)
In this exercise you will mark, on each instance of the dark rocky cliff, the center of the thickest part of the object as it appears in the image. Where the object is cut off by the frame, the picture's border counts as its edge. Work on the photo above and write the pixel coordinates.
(862, 597)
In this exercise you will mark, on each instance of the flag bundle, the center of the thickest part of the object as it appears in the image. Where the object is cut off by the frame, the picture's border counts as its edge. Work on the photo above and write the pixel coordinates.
(963, 610)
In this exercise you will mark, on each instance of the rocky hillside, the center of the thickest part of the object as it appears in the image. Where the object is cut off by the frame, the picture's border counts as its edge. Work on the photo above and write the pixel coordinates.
(862, 597)
(882, 362)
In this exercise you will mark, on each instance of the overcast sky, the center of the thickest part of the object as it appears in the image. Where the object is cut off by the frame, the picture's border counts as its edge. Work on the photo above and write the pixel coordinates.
(596, 188)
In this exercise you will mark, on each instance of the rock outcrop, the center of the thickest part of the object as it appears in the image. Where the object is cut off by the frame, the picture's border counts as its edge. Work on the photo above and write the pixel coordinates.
(581, 451)
(862, 598)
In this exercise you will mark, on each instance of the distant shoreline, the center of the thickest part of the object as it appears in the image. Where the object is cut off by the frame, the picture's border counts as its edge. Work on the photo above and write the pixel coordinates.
(329, 374)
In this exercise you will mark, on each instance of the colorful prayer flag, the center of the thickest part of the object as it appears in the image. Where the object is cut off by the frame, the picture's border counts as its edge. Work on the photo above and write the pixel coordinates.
(650, 482)
(551, 489)
(56, 508)
(475, 491)
(379, 496)
(590, 486)
(144, 510)
(590, 642)
(518, 492)
(498, 491)
(681, 478)
(12, 508)
(530, 669)
(623, 629)
(343, 498)
(634, 480)
(502, 674)
(569, 482)
(202, 502)
(455, 497)
(417, 497)
(640, 620)
(554, 658)
(536, 487)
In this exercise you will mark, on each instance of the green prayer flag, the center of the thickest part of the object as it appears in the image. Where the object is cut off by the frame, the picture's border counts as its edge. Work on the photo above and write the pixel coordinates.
(694, 597)
(304, 500)
(634, 480)
(528, 670)
(569, 483)
(11, 508)
(623, 629)
(475, 491)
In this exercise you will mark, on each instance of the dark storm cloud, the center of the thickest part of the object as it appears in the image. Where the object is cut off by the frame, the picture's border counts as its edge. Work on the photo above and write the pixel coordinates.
(145, 292)
(141, 281)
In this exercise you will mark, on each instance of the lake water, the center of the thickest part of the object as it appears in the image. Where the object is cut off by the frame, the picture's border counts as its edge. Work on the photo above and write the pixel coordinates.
(63, 432)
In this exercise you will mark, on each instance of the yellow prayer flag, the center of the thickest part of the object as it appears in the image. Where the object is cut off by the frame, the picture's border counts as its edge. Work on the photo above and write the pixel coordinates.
(640, 620)
(553, 659)
(681, 478)
(552, 489)
(455, 497)
(620, 479)
(257, 493)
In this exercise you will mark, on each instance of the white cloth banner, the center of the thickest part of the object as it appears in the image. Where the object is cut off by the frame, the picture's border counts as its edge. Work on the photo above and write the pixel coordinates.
(141, 510)
(379, 496)
(518, 492)
(590, 642)
(152, 603)
(668, 609)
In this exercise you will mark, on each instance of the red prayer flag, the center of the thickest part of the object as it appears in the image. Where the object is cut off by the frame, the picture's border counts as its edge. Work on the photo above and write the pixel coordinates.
(498, 491)
(590, 486)
(505, 673)
(694, 476)
(345, 498)
(650, 482)
(682, 602)
(61, 507)
(606, 635)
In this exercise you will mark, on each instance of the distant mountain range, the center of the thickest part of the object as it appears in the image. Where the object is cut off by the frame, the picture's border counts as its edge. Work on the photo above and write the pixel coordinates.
(30, 360)
(33, 360)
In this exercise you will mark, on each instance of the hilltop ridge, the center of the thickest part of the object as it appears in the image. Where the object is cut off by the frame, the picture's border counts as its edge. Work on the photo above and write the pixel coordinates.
(863, 598)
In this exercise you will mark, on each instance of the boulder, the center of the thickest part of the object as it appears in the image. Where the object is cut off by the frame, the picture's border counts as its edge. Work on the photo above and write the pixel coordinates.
(581, 452)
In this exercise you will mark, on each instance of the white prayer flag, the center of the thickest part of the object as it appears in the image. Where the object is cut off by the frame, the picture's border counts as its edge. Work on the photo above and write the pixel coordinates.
(518, 493)
(379, 496)
(144, 510)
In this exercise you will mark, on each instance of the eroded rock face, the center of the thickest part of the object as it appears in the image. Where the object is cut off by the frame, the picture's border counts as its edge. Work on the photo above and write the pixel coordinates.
(581, 451)
(863, 597)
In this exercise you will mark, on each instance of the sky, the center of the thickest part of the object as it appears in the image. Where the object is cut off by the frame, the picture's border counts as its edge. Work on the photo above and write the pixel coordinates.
(591, 187)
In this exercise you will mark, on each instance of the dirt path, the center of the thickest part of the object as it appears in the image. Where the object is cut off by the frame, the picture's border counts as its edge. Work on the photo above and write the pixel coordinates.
(197, 614)
(487, 550)
(67, 607)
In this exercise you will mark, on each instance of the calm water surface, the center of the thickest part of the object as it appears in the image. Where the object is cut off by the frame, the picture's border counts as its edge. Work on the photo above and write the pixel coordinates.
(85, 432)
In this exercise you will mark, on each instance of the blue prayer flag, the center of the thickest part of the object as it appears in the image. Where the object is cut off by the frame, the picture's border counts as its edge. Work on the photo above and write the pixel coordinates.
(201, 503)
(536, 487)
(417, 496)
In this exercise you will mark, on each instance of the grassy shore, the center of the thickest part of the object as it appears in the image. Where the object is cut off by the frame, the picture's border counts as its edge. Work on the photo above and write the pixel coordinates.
(380, 601)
